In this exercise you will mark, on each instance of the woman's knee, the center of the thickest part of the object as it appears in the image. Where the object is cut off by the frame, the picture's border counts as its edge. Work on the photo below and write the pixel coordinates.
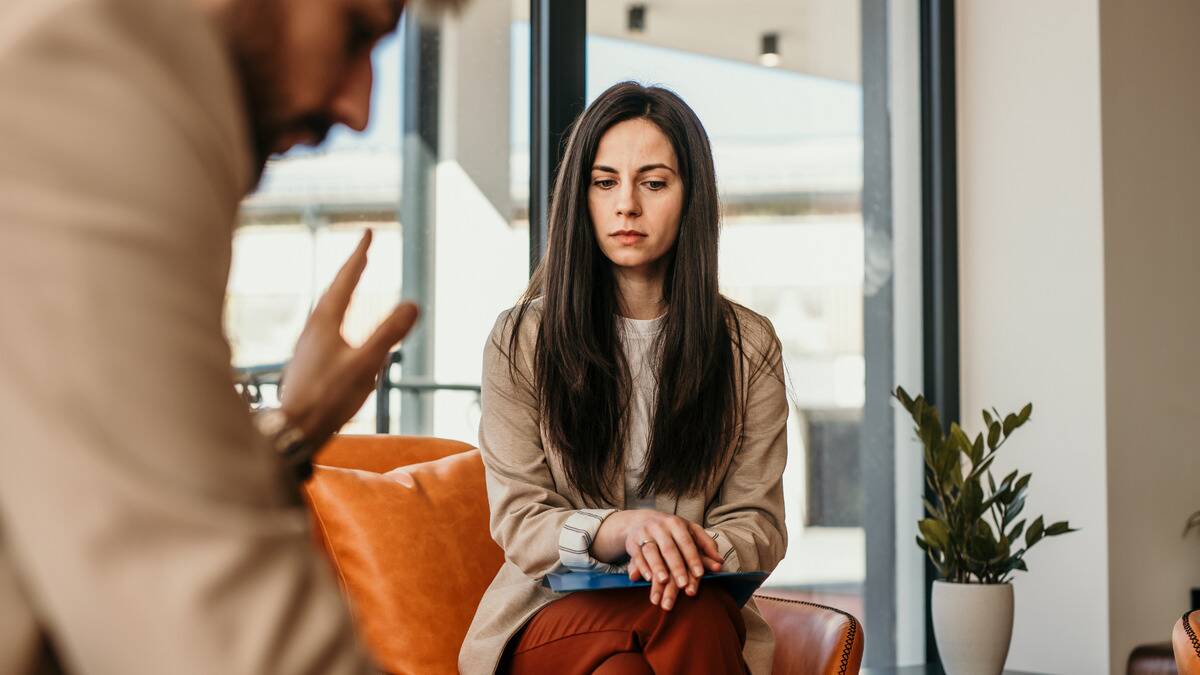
(710, 603)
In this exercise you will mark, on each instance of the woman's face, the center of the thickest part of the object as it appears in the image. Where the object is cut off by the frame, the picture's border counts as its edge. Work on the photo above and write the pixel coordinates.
(635, 197)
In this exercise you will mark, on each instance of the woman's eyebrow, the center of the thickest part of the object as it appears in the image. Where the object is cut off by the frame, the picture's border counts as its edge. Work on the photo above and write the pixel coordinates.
(651, 167)
(643, 169)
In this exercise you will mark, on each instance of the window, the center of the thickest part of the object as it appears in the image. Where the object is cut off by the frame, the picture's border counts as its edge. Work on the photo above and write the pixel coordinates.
(441, 176)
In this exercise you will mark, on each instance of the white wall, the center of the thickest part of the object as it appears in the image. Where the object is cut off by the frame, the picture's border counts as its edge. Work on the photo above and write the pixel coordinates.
(1032, 302)
(1151, 141)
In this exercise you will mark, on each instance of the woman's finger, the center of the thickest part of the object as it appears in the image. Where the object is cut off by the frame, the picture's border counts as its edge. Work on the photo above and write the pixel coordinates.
(669, 551)
(638, 567)
(686, 543)
(670, 591)
(704, 541)
(658, 568)
(657, 589)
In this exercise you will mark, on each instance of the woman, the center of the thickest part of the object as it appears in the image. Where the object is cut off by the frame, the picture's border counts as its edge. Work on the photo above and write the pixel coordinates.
(633, 418)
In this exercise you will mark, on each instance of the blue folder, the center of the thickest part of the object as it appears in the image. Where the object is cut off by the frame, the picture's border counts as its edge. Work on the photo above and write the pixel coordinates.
(740, 585)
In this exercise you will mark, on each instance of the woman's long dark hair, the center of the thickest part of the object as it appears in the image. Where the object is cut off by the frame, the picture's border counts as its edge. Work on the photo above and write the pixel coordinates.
(581, 379)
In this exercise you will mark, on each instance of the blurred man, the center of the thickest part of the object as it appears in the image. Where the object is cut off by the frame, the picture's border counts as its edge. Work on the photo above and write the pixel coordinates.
(146, 525)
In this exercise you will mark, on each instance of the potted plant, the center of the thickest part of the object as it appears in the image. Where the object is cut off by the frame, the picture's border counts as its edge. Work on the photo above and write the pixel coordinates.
(974, 534)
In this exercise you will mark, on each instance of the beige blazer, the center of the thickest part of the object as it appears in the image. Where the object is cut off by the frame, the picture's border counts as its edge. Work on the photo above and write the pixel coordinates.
(143, 523)
(530, 496)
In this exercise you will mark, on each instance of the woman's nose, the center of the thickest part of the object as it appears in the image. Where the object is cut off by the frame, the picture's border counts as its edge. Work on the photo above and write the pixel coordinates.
(627, 203)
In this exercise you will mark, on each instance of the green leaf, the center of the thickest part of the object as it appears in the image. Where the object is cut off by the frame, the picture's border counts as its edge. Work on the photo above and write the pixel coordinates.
(1058, 528)
(1014, 510)
(936, 532)
(1034, 533)
(983, 466)
(1022, 483)
(1010, 423)
(1016, 531)
(993, 439)
(961, 441)
(977, 449)
(921, 543)
(987, 419)
(1007, 482)
(1023, 416)
(991, 483)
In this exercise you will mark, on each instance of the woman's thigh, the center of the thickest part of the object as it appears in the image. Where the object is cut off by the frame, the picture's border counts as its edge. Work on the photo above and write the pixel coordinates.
(581, 632)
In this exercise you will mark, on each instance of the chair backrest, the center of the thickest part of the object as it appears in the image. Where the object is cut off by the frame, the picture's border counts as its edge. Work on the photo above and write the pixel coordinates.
(1186, 644)
(382, 453)
(381, 506)
(409, 544)
(812, 639)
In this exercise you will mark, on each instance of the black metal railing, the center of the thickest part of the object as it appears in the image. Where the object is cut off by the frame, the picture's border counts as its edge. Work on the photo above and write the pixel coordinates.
(251, 380)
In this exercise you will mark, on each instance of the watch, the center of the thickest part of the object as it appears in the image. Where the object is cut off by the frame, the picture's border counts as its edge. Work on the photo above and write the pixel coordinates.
(295, 450)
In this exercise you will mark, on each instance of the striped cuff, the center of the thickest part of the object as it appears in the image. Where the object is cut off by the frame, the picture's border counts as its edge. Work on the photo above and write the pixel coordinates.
(575, 541)
(727, 551)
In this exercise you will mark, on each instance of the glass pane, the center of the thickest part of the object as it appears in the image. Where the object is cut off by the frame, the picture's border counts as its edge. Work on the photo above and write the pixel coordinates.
(441, 176)
(787, 142)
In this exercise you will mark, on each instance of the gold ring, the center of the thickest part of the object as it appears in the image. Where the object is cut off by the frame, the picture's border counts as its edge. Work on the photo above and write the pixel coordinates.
(644, 542)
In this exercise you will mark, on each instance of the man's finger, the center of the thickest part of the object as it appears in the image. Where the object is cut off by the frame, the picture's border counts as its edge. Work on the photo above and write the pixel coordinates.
(387, 334)
(336, 298)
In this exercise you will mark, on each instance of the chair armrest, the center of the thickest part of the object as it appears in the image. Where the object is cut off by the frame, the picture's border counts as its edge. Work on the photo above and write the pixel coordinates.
(812, 639)
(1186, 644)
(1151, 659)
(383, 452)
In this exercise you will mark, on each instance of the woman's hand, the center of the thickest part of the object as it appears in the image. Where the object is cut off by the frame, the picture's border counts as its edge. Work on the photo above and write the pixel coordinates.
(670, 552)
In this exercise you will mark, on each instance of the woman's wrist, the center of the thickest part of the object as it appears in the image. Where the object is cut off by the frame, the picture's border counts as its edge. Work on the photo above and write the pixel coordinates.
(609, 544)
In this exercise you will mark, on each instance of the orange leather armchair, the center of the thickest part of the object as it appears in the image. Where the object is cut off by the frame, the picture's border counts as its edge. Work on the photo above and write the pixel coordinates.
(396, 513)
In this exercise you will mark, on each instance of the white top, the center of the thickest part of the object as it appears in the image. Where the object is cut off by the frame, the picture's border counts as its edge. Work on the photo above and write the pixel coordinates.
(637, 338)
(579, 529)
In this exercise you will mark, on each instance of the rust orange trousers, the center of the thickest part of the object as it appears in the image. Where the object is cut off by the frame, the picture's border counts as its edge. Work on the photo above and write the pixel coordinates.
(618, 632)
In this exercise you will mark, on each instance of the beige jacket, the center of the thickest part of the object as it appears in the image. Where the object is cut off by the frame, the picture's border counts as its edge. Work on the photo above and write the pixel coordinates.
(530, 497)
(143, 524)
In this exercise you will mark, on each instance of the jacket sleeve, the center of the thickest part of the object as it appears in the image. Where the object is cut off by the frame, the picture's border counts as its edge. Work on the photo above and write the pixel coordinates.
(746, 518)
(530, 519)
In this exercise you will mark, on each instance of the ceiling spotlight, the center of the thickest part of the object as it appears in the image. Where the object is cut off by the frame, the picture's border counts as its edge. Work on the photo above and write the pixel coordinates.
(769, 55)
(636, 19)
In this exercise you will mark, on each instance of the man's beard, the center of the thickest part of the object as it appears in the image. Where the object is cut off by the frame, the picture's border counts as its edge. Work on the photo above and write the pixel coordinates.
(255, 31)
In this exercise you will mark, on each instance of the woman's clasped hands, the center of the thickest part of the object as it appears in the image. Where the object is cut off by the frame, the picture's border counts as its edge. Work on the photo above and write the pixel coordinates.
(670, 552)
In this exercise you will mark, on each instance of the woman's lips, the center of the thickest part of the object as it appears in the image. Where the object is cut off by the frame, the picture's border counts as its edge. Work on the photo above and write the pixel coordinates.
(627, 238)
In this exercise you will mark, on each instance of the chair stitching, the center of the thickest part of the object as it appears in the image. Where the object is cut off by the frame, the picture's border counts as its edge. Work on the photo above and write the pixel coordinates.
(851, 632)
(1187, 628)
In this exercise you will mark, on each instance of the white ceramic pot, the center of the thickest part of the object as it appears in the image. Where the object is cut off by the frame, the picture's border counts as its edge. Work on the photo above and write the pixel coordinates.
(973, 626)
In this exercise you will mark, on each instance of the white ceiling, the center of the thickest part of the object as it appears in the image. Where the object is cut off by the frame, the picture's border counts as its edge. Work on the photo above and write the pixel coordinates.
(816, 37)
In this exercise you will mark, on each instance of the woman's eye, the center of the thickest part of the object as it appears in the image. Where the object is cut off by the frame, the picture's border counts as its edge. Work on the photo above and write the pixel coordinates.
(604, 183)
(655, 184)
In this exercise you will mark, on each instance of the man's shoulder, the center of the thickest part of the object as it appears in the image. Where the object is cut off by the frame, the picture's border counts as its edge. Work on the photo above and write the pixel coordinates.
(144, 84)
